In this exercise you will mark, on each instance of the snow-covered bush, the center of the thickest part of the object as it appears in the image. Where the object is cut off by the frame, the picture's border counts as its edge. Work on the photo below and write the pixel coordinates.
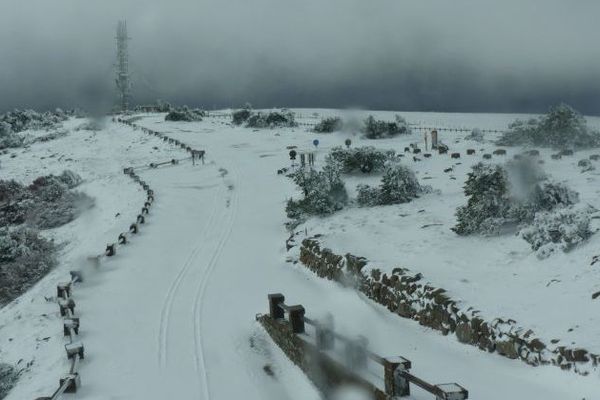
(366, 159)
(238, 117)
(324, 193)
(273, 119)
(328, 125)
(585, 165)
(475, 135)
(398, 185)
(185, 114)
(8, 379)
(561, 127)
(46, 203)
(8, 138)
(508, 196)
(25, 257)
(21, 120)
(562, 229)
(377, 129)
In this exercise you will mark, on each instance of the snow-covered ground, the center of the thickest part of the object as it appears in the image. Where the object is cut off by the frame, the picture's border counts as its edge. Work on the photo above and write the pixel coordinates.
(173, 313)
(500, 276)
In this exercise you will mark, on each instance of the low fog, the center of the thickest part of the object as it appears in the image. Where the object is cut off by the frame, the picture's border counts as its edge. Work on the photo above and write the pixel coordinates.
(386, 54)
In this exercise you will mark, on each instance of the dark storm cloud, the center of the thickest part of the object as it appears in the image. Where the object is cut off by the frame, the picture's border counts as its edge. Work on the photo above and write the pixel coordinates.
(460, 55)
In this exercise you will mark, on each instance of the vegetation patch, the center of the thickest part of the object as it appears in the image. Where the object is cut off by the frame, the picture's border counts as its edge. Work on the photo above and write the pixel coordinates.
(562, 127)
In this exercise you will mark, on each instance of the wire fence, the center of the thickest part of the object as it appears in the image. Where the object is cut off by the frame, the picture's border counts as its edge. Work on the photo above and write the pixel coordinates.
(413, 126)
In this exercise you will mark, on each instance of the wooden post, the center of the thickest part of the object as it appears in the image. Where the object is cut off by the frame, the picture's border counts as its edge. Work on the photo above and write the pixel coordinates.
(395, 383)
(73, 382)
(451, 391)
(275, 311)
(70, 323)
(296, 316)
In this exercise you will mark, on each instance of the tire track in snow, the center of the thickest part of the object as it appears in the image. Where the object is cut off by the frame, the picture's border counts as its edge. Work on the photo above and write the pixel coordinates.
(201, 290)
(167, 308)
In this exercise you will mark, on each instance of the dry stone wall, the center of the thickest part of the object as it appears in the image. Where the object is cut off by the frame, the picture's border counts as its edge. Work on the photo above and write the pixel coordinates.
(410, 296)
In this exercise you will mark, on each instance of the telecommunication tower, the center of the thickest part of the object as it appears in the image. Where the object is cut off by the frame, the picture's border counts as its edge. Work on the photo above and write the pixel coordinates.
(122, 67)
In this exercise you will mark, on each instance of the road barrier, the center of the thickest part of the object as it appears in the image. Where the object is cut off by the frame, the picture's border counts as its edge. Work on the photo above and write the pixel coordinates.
(71, 381)
(347, 361)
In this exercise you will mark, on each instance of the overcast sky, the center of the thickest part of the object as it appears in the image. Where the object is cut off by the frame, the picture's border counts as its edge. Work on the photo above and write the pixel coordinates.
(446, 55)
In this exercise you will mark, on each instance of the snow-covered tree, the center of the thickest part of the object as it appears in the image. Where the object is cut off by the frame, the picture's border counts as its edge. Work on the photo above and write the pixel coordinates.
(487, 206)
(561, 127)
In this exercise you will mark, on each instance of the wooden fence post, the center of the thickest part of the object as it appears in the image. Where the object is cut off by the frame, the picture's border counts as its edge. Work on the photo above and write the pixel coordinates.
(296, 315)
(275, 301)
(395, 383)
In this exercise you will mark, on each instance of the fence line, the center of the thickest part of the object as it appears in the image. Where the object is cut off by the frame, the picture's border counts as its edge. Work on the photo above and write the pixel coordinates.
(70, 382)
(396, 370)
(411, 125)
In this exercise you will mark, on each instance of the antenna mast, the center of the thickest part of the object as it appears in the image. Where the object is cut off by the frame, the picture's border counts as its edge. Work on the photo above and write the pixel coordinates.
(122, 67)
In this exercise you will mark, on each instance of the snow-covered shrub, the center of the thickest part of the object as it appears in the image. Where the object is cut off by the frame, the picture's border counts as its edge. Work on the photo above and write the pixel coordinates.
(238, 117)
(185, 114)
(61, 211)
(376, 129)
(328, 125)
(8, 379)
(70, 178)
(8, 138)
(324, 192)
(475, 135)
(366, 159)
(505, 196)
(561, 127)
(46, 203)
(399, 184)
(562, 229)
(21, 120)
(585, 165)
(367, 196)
(25, 257)
(544, 196)
(273, 119)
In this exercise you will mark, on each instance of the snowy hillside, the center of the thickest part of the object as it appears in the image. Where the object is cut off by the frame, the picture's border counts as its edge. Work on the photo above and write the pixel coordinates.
(172, 315)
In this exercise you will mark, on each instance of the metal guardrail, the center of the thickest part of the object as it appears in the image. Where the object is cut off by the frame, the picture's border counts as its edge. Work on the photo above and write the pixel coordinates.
(397, 377)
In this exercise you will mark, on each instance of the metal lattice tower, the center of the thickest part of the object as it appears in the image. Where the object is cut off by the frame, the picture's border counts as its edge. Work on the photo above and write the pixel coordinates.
(122, 67)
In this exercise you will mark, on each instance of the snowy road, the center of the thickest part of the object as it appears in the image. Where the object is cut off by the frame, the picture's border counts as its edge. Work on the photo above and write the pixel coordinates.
(172, 316)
